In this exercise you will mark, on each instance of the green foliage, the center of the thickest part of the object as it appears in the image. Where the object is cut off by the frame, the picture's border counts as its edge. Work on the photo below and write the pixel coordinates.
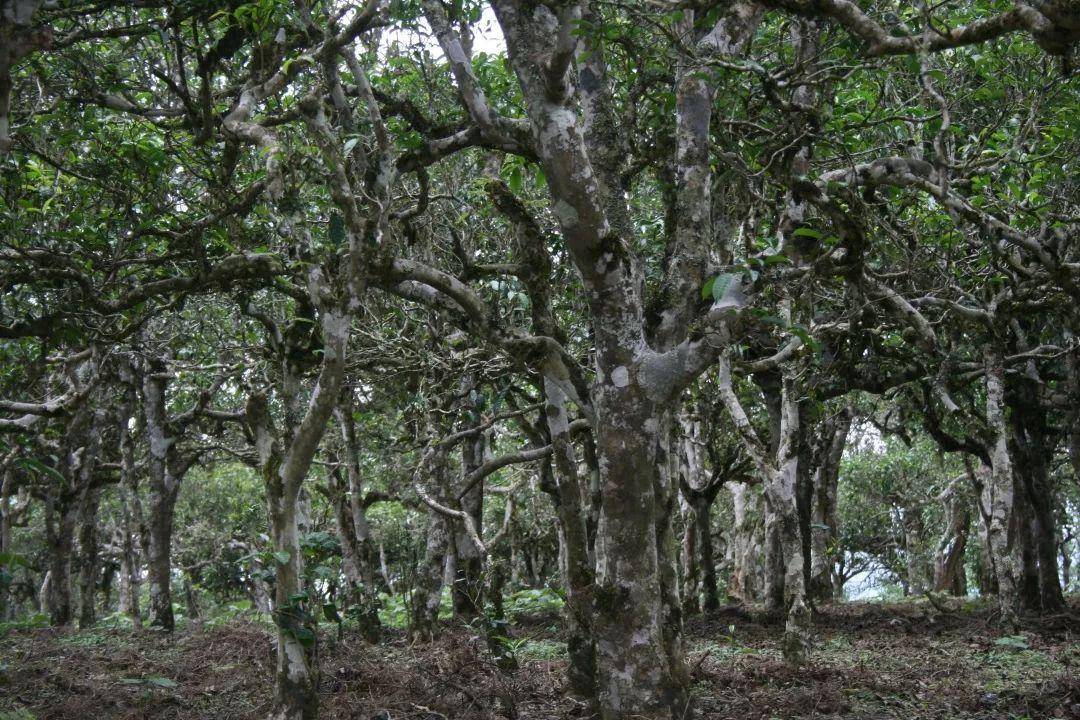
(37, 620)
(533, 601)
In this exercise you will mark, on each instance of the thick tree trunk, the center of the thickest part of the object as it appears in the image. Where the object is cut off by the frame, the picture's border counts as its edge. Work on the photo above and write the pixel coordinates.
(60, 516)
(636, 676)
(159, 557)
(1035, 450)
(429, 581)
(1027, 560)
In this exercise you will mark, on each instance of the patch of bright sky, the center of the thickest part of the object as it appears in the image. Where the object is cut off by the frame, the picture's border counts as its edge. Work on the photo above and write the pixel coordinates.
(487, 37)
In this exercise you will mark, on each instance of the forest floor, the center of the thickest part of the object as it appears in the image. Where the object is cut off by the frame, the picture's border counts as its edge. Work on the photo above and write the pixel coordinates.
(871, 661)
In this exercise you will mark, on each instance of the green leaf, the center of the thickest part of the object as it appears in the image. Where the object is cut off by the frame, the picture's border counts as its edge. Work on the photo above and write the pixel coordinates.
(1019, 642)
(282, 556)
(706, 289)
(162, 682)
(807, 232)
(305, 636)
(721, 283)
(514, 179)
(336, 229)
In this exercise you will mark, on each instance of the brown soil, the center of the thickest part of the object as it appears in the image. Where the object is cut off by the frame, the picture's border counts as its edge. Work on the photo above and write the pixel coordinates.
(871, 661)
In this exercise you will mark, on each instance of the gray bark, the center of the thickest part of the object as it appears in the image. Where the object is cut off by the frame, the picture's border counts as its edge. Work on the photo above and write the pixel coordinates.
(1001, 489)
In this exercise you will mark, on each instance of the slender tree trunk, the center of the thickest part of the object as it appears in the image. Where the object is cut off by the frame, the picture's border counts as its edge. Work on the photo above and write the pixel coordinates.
(468, 587)
(130, 510)
(823, 527)
(352, 522)
(1066, 562)
(691, 568)
(666, 491)
(914, 528)
(575, 562)
(780, 490)
(295, 696)
(427, 594)
(350, 550)
(1001, 490)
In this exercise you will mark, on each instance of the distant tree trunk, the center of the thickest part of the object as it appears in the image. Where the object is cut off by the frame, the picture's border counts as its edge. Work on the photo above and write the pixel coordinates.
(949, 573)
(191, 600)
(358, 553)
(823, 522)
(778, 463)
(384, 569)
(691, 575)
(774, 560)
(1066, 562)
(350, 550)
(703, 516)
(89, 561)
(914, 529)
(745, 547)
(666, 490)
